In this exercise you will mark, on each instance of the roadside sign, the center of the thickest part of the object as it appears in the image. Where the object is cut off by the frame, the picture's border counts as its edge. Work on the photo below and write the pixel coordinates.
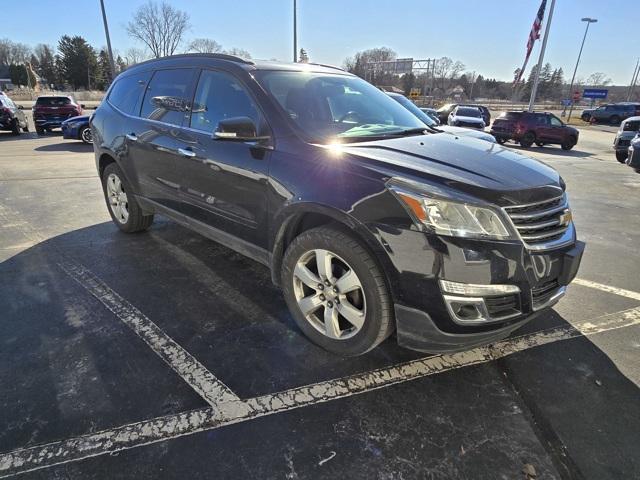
(595, 93)
(566, 102)
(576, 96)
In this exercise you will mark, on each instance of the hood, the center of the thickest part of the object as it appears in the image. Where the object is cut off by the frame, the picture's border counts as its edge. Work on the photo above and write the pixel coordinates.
(465, 132)
(484, 170)
(79, 118)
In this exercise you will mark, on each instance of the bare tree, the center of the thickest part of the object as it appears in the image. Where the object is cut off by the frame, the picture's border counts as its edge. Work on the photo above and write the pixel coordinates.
(598, 79)
(13, 53)
(238, 52)
(160, 27)
(135, 55)
(204, 45)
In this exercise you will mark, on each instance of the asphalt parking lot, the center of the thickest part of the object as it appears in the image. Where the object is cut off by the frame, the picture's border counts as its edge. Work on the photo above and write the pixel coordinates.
(166, 355)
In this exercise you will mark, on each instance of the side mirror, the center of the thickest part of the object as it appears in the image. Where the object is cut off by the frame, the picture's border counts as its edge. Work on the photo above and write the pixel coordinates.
(238, 129)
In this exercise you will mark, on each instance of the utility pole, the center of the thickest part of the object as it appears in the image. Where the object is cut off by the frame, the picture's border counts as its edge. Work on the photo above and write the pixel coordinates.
(295, 31)
(536, 79)
(586, 30)
(634, 79)
(106, 32)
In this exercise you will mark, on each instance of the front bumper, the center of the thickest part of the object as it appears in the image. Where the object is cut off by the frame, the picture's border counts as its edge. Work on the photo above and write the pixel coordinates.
(71, 131)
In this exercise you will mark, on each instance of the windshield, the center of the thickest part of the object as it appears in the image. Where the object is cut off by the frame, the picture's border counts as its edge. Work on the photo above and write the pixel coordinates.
(329, 108)
(409, 105)
(468, 112)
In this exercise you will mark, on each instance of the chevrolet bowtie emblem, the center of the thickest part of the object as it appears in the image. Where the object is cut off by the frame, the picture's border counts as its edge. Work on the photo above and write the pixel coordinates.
(565, 218)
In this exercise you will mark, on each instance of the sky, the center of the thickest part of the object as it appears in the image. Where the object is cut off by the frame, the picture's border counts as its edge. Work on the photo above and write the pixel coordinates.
(489, 36)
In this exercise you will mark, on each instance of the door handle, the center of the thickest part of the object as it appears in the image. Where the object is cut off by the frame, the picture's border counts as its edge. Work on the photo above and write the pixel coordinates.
(185, 152)
(132, 137)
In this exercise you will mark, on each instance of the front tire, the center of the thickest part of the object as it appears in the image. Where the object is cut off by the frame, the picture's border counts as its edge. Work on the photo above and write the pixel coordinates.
(123, 207)
(621, 156)
(86, 136)
(568, 144)
(15, 127)
(336, 291)
(614, 120)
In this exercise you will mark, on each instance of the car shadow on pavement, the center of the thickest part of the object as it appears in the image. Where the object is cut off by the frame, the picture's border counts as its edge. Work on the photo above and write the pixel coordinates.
(552, 150)
(67, 146)
(71, 365)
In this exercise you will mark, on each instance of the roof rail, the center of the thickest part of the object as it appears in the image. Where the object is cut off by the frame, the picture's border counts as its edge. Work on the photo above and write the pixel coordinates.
(220, 56)
(326, 66)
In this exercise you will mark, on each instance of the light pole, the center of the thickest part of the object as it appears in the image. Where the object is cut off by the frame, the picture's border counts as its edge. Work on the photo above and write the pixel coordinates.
(295, 31)
(106, 32)
(575, 70)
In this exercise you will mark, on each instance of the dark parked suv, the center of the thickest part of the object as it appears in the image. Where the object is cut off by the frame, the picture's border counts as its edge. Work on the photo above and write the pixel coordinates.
(369, 220)
(528, 128)
(50, 111)
(613, 113)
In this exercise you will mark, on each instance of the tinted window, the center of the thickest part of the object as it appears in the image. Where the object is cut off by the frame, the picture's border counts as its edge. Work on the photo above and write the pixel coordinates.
(468, 112)
(127, 91)
(511, 115)
(167, 96)
(53, 101)
(541, 120)
(220, 96)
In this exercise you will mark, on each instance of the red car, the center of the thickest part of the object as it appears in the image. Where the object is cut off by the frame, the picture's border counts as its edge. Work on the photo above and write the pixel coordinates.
(528, 128)
(50, 111)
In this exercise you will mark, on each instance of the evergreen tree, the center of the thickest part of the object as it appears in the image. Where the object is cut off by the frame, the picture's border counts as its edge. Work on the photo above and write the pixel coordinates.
(77, 62)
(46, 67)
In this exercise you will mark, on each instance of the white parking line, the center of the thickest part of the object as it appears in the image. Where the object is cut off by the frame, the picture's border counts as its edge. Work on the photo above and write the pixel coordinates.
(187, 423)
(190, 370)
(607, 288)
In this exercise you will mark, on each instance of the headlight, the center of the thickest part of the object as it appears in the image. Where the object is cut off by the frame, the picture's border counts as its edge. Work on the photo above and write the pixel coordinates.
(448, 217)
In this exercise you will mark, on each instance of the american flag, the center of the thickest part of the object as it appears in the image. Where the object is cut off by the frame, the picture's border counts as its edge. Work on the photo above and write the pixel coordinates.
(534, 35)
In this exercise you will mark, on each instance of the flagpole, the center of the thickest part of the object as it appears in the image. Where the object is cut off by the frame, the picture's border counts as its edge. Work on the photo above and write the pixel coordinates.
(536, 79)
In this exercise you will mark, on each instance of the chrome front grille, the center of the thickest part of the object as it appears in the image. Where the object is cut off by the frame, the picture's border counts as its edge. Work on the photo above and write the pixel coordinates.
(543, 224)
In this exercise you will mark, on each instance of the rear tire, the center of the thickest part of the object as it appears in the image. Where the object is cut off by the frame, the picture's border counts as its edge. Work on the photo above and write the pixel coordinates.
(540, 144)
(528, 139)
(621, 156)
(368, 306)
(585, 118)
(40, 130)
(122, 205)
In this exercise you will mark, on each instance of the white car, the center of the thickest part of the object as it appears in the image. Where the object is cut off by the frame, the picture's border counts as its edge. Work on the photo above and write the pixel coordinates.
(470, 117)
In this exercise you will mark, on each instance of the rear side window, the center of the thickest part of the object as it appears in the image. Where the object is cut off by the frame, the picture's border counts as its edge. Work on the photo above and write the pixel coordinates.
(127, 91)
(220, 96)
(167, 96)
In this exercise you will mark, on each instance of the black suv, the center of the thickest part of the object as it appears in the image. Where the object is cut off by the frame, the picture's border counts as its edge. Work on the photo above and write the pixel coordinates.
(12, 117)
(369, 220)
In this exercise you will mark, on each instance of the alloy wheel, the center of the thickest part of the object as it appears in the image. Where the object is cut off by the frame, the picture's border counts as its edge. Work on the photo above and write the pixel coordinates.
(329, 294)
(87, 136)
(117, 198)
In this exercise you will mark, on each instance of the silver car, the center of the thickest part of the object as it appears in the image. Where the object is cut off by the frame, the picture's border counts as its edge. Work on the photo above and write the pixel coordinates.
(627, 131)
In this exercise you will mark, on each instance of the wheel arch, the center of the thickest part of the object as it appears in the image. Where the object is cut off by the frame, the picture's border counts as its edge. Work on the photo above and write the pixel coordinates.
(300, 218)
